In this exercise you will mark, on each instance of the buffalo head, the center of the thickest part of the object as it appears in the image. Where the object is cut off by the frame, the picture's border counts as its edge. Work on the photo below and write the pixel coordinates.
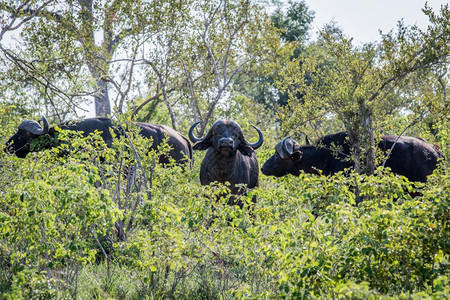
(227, 138)
(285, 160)
(19, 143)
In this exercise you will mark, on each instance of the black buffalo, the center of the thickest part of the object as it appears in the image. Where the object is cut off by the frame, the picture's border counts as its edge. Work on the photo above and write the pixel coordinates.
(411, 157)
(229, 157)
(29, 130)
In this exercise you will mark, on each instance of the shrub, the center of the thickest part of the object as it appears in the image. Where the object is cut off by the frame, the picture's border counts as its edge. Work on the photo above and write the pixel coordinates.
(86, 221)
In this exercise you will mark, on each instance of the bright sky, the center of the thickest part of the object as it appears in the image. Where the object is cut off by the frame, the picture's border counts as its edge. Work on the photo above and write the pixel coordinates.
(362, 19)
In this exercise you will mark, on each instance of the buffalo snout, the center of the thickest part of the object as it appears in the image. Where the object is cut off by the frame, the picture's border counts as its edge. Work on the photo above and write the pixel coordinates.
(267, 168)
(264, 170)
(226, 143)
(11, 145)
(9, 149)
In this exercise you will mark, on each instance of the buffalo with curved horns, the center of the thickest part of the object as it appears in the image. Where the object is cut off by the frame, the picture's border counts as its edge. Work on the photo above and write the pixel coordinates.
(229, 156)
(411, 157)
(29, 130)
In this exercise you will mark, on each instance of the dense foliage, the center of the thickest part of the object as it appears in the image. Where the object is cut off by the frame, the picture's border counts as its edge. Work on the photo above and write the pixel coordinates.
(61, 211)
(84, 221)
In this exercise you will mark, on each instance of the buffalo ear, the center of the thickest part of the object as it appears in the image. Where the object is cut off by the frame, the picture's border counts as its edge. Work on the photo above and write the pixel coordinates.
(245, 149)
(202, 145)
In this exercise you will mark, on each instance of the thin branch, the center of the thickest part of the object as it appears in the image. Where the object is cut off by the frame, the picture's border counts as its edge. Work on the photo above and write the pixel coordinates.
(130, 79)
(136, 111)
(197, 113)
(27, 68)
(208, 46)
(136, 154)
(444, 88)
(230, 42)
(398, 137)
(404, 73)
(117, 39)
(32, 14)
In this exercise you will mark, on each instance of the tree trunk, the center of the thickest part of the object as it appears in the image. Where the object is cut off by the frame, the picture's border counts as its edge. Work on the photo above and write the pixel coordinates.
(355, 146)
(102, 103)
(354, 140)
(169, 107)
(366, 137)
(370, 157)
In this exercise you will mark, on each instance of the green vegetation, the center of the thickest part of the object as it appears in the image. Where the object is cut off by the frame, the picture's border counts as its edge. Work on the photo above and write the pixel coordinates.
(83, 221)
(303, 238)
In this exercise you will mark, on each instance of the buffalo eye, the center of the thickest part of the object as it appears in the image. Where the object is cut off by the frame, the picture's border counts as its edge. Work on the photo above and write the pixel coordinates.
(297, 155)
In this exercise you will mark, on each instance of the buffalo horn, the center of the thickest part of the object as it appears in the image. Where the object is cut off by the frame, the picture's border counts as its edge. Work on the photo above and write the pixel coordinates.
(260, 141)
(34, 127)
(191, 133)
(285, 146)
(45, 123)
(307, 140)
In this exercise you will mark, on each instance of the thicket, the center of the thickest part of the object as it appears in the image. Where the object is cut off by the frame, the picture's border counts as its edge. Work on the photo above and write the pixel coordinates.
(84, 221)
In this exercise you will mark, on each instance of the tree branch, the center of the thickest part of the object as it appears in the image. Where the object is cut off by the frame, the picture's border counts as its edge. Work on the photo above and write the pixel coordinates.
(15, 15)
(444, 88)
(208, 46)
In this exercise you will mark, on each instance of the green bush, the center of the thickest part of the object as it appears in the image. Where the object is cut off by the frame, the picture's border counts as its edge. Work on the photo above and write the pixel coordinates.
(86, 221)
(51, 214)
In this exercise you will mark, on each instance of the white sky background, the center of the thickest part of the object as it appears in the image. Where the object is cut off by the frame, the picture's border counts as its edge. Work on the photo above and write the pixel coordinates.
(362, 19)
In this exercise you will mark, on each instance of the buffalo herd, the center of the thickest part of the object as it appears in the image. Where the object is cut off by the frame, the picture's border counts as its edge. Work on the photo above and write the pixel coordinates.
(29, 130)
(411, 157)
(231, 158)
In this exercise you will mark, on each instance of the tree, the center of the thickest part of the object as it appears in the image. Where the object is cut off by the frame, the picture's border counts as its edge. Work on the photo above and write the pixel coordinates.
(200, 59)
(362, 86)
(183, 54)
(293, 22)
(82, 48)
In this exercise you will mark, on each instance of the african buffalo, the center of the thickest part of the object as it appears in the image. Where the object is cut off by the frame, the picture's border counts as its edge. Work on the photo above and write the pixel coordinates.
(229, 157)
(29, 130)
(411, 157)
